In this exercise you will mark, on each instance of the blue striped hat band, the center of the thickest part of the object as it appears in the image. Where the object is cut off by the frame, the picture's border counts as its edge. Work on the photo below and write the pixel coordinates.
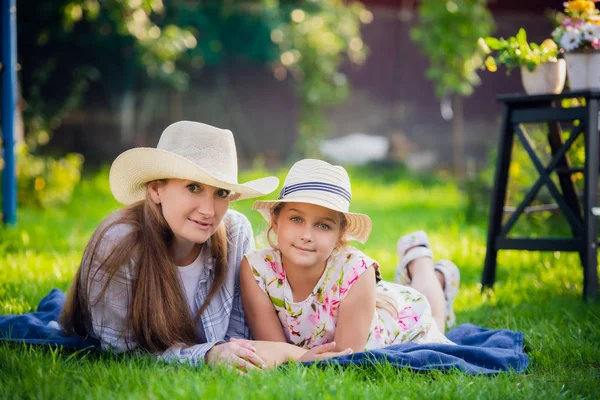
(319, 186)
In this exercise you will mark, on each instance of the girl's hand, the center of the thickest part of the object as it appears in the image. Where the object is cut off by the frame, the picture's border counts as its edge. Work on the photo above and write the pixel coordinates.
(238, 354)
(277, 353)
(273, 353)
(323, 352)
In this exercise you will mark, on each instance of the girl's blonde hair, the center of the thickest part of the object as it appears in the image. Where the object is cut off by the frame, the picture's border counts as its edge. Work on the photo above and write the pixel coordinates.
(383, 301)
(158, 314)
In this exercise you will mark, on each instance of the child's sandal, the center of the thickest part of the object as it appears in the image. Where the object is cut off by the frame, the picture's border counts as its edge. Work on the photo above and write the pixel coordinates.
(418, 243)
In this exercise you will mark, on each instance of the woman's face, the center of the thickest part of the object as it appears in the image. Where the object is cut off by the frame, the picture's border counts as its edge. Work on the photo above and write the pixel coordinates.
(192, 210)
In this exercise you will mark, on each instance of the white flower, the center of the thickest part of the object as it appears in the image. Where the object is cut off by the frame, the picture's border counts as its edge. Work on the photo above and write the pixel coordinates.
(590, 32)
(557, 32)
(571, 39)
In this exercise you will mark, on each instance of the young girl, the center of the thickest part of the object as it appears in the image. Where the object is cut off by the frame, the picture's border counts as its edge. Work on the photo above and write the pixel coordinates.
(161, 274)
(312, 288)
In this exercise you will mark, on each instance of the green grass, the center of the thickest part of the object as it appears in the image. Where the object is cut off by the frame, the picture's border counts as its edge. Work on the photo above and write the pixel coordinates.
(536, 293)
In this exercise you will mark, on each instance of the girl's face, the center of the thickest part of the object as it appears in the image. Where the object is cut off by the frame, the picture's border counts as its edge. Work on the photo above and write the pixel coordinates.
(306, 234)
(192, 210)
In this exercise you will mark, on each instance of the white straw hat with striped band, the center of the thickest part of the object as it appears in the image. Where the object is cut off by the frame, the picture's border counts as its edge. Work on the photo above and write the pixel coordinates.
(186, 150)
(318, 182)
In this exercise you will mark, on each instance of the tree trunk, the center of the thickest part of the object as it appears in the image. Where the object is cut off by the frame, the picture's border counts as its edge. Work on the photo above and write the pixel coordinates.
(458, 136)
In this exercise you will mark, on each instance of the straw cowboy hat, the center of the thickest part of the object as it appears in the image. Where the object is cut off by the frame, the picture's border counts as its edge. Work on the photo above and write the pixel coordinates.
(186, 150)
(318, 182)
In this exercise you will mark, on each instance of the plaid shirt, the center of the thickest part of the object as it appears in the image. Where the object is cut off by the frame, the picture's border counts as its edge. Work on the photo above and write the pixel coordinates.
(223, 319)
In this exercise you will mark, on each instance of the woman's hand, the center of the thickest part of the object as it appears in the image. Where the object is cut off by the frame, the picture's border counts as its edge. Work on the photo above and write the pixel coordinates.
(323, 352)
(239, 354)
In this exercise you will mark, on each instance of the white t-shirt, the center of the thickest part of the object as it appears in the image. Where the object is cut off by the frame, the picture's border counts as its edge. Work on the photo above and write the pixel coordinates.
(190, 275)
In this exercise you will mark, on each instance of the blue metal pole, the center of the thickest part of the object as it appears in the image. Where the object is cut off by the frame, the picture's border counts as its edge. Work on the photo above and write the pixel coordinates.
(9, 102)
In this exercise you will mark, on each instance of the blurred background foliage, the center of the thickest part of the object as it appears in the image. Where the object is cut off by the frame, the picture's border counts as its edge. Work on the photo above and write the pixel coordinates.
(67, 45)
(129, 43)
(447, 33)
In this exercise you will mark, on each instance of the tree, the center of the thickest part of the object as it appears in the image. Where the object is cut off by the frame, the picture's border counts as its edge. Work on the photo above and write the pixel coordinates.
(65, 45)
(447, 32)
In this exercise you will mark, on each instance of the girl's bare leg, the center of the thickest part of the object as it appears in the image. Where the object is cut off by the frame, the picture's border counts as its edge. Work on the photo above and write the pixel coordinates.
(431, 284)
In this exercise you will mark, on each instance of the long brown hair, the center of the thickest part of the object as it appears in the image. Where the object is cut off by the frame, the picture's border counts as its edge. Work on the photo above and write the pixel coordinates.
(158, 316)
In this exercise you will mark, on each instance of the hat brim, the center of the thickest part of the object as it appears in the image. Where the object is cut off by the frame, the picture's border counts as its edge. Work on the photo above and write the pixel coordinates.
(134, 168)
(358, 225)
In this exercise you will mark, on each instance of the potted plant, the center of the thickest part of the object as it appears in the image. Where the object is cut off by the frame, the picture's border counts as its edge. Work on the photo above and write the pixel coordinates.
(541, 70)
(578, 36)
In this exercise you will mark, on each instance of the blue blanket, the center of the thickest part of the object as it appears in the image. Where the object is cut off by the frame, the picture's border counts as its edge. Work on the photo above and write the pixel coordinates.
(478, 350)
(40, 327)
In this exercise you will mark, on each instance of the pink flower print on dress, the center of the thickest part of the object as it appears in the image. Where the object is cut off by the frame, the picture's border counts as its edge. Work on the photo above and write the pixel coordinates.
(277, 268)
(335, 304)
(377, 331)
(355, 274)
(354, 278)
(330, 306)
(407, 318)
(314, 319)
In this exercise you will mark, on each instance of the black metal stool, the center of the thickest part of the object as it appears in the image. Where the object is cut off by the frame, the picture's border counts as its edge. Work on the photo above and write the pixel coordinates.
(520, 109)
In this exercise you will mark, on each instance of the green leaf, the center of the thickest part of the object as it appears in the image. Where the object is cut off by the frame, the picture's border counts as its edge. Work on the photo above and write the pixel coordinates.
(277, 302)
(493, 43)
(522, 37)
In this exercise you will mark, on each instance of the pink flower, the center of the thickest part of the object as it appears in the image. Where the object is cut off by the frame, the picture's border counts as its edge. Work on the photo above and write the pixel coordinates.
(278, 269)
(572, 23)
(596, 43)
(364, 265)
(407, 318)
(314, 319)
(354, 278)
(377, 331)
(334, 307)
(330, 306)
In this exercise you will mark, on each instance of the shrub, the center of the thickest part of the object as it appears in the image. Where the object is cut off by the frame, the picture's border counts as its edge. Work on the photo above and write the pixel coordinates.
(46, 181)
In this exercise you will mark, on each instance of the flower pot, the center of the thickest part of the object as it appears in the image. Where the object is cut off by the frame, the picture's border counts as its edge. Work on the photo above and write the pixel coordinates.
(546, 78)
(583, 69)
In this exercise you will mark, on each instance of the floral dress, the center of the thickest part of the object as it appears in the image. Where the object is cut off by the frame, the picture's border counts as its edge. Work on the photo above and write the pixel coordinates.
(312, 322)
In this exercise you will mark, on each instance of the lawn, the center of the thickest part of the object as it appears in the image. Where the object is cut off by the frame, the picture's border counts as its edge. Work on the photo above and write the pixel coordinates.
(536, 293)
